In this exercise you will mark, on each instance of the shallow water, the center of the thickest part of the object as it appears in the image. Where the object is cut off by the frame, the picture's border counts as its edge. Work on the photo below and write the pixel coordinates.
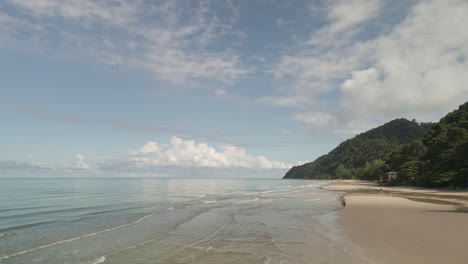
(169, 221)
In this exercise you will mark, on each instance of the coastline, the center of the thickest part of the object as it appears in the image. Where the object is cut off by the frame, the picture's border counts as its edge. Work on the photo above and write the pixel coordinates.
(404, 224)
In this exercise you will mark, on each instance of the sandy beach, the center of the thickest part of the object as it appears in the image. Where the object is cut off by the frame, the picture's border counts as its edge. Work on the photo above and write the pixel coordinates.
(403, 224)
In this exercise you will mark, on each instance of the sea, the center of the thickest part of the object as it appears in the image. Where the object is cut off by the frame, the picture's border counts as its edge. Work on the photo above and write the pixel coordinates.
(148, 220)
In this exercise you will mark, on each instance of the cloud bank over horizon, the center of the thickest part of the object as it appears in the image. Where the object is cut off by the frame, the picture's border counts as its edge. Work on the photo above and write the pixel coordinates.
(186, 153)
(178, 158)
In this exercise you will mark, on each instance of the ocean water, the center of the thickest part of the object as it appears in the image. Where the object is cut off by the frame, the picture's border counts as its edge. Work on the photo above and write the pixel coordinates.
(206, 221)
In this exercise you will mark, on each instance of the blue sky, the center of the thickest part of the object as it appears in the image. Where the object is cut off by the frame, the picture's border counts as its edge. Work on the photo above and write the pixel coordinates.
(216, 88)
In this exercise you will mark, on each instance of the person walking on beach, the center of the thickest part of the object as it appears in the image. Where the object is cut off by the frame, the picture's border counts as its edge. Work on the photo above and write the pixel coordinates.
(343, 201)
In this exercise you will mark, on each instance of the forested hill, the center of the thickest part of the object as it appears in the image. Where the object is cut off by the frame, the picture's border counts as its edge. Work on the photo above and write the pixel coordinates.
(348, 159)
(425, 154)
(440, 158)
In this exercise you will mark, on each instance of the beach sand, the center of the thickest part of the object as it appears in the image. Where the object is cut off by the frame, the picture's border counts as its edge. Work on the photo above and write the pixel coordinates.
(405, 225)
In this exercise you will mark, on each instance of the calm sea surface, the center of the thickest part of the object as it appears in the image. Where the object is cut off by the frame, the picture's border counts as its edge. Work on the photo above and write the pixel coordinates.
(166, 221)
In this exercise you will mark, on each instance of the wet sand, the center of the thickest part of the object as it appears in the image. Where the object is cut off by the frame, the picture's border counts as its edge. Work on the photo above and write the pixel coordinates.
(405, 225)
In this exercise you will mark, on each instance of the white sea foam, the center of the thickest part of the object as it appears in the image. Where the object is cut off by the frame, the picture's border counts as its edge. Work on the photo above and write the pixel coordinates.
(248, 201)
(170, 208)
(141, 244)
(99, 260)
(211, 201)
(74, 238)
(274, 191)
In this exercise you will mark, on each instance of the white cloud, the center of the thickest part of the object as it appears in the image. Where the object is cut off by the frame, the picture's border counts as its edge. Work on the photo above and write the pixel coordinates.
(284, 101)
(345, 15)
(418, 67)
(187, 153)
(316, 119)
(167, 39)
(415, 69)
(328, 55)
(179, 158)
(111, 11)
(80, 164)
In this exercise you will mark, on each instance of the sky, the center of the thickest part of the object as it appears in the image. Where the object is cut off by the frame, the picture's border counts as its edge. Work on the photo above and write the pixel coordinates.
(117, 88)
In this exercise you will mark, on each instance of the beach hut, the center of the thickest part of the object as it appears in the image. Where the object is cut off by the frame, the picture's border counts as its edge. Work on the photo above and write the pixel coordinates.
(391, 175)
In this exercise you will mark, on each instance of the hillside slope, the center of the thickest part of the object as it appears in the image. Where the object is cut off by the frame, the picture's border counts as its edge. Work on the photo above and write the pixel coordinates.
(345, 160)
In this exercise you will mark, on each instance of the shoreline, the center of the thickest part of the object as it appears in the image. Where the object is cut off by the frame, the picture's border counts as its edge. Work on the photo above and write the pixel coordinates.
(404, 224)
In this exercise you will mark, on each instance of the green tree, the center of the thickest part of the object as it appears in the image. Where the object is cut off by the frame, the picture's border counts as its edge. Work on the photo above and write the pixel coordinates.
(343, 173)
(373, 170)
(409, 171)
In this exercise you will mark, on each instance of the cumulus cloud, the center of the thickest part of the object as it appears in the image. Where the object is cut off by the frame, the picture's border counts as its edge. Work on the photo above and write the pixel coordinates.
(186, 158)
(182, 155)
(80, 164)
(419, 67)
(167, 39)
(414, 69)
(187, 153)
(178, 158)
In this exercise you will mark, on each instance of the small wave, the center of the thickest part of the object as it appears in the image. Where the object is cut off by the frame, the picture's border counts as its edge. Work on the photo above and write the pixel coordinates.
(273, 191)
(211, 201)
(248, 201)
(22, 208)
(301, 186)
(108, 211)
(48, 212)
(6, 235)
(99, 260)
(25, 226)
(141, 244)
(75, 238)
(201, 196)
(170, 208)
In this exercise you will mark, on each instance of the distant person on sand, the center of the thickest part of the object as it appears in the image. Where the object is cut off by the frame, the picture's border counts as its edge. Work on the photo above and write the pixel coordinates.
(343, 201)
